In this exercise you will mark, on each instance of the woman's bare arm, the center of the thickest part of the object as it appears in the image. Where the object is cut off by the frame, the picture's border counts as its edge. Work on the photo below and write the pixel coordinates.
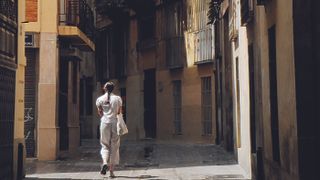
(100, 111)
(120, 110)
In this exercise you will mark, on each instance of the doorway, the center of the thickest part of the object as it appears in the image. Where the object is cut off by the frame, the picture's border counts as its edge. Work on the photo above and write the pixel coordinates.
(227, 88)
(150, 103)
(252, 99)
(63, 104)
(30, 102)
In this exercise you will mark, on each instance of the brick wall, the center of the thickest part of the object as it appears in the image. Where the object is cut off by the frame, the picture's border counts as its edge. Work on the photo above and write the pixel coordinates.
(32, 10)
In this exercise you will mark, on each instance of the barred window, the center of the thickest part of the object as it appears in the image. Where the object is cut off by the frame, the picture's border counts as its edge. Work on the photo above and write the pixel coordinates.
(206, 105)
(177, 106)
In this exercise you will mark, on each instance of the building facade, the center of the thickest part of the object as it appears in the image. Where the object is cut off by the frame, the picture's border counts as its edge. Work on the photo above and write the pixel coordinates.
(233, 81)
(12, 65)
(275, 67)
(161, 55)
(59, 37)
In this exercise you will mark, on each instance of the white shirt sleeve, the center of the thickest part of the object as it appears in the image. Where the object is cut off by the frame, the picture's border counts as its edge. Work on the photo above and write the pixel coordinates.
(120, 101)
(98, 102)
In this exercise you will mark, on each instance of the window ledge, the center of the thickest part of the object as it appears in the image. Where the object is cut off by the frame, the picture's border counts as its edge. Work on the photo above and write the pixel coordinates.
(207, 61)
(173, 67)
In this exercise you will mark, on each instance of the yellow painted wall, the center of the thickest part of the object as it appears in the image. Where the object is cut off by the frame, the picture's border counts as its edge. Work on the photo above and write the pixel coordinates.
(73, 109)
(133, 65)
(19, 95)
(241, 114)
(278, 13)
(190, 75)
(48, 16)
(48, 131)
(135, 104)
(191, 105)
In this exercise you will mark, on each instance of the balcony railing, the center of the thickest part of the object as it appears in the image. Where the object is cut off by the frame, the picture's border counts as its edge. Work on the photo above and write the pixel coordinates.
(175, 49)
(8, 8)
(77, 13)
(203, 42)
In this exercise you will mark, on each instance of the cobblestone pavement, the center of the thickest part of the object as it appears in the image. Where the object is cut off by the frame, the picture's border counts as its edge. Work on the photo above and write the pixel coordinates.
(148, 160)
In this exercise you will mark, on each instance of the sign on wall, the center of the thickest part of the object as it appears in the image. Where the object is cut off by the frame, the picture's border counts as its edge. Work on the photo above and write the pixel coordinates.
(29, 40)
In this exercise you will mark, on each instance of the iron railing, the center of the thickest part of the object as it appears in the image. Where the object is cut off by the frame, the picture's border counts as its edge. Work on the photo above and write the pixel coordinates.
(8, 8)
(175, 51)
(77, 13)
(203, 46)
(206, 106)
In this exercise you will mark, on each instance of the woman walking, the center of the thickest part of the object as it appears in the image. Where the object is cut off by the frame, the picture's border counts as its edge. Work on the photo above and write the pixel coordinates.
(109, 106)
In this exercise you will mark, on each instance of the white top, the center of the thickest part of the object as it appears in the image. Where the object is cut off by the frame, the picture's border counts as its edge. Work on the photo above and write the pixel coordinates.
(111, 109)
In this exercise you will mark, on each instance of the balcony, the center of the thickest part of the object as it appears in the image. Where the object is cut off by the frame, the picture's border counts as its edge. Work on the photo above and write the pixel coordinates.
(76, 24)
(246, 11)
(147, 44)
(204, 47)
(108, 7)
(261, 2)
(175, 52)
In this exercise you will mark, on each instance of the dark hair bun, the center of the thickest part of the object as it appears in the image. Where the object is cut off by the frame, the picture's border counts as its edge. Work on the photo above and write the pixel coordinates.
(109, 86)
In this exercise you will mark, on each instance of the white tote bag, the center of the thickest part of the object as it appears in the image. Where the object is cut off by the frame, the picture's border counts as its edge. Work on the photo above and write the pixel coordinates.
(121, 126)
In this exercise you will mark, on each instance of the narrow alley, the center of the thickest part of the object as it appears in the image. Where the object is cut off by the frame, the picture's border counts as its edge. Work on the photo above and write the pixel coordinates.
(208, 89)
(143, 160)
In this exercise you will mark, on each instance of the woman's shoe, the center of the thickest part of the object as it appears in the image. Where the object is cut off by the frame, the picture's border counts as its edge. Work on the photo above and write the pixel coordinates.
(112, 175)
(104, 169)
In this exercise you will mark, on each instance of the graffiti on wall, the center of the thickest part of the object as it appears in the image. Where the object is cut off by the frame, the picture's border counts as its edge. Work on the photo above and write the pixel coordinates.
(28, 118)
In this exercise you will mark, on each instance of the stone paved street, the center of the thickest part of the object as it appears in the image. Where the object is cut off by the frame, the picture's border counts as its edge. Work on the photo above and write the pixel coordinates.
(143, 160)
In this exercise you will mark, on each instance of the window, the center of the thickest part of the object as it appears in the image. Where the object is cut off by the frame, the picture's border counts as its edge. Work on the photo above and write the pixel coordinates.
(203, 51)
(177, 106)
(104, 54)
(206, 106)
(146, 27)
(173, 29)
(252, 100)
(146, 30)
(273, 94)
(202, 32)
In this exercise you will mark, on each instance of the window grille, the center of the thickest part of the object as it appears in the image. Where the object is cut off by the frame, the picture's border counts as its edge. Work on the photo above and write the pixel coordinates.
(173, 29)
(203, 33)
(177, 106)
(204, 45)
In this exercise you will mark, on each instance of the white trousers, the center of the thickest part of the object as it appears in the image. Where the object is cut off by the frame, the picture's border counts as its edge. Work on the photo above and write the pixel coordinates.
(110, 143)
